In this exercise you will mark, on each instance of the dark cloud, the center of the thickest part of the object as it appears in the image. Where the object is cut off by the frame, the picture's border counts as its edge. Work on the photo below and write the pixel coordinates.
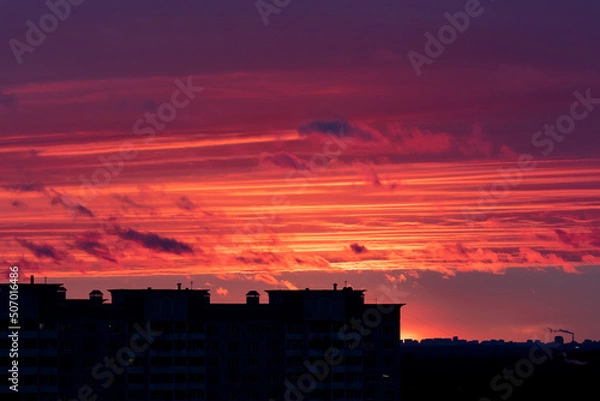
(150, 105)
(18, 203)
(34, 187)
(129, 203)
(74, 207)
(8, 100)
(186, 204)
(89, 242)
(340, 129)
(153, 241)
(578, 240)
(284, 160)
(356, 248)
(42, 250)
(375, 178)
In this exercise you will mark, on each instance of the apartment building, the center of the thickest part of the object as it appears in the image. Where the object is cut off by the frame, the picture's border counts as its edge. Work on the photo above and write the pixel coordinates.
(174, 344)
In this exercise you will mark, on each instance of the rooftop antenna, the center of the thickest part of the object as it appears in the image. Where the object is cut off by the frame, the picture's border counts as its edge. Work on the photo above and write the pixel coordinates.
(191, 285)
(345, 283)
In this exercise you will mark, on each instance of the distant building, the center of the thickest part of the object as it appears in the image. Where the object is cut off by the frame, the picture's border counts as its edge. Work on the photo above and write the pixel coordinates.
(315, 344)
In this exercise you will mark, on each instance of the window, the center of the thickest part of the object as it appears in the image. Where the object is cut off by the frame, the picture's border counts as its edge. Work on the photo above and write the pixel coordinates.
(293, 344)
(161, 378)
(160, 395)
(135, 394)
(389, 330)
(294, 328)
(196, 327)
(47, 343)
(66, 363)
(47, 380)
(89, 327)
(136, 378)
(165, 308)
(293, 361)
(195, 361)
(253, 346)
(161, 361)
(324, 307)
(195, 344)
(233, 346)
(66, 327)
(196, 394)
(196, 378)
(89, 345)
(253, 362)
(338, 377)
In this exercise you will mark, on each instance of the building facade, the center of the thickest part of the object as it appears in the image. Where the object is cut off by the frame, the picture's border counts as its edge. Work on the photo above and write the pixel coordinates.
(157, 344)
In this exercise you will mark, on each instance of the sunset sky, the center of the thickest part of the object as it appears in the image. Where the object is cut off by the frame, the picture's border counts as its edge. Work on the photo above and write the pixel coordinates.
(309, 151)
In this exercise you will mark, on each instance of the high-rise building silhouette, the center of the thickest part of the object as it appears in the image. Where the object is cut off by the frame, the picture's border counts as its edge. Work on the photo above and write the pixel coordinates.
(174, 344)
